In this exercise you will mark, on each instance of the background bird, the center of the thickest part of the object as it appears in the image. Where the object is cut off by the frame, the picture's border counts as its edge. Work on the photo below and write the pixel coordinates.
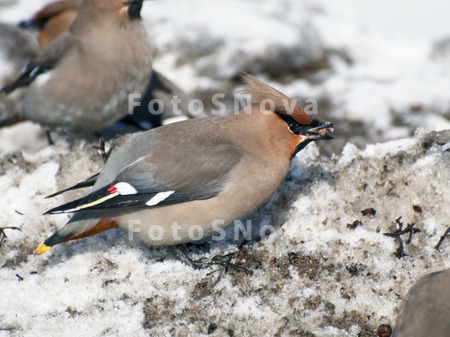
(82, 80)
(425, 311)
(55, 18)
(198, 172)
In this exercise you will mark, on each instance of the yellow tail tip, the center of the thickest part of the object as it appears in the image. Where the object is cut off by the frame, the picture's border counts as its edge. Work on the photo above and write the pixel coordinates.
(42, 249)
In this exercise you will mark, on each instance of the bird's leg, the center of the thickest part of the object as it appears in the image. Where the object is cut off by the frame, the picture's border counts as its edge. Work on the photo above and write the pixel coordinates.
(181, 252)
(101, 147)
(48, 136)
(224, 261)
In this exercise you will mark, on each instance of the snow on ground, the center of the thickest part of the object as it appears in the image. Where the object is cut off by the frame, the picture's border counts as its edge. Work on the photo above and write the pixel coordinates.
(327, 269)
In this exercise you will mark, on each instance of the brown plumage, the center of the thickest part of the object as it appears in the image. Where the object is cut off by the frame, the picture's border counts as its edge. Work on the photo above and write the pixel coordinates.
(203, 173)
(82, 81)
(55, 19)
(102, 225)
(260, 92)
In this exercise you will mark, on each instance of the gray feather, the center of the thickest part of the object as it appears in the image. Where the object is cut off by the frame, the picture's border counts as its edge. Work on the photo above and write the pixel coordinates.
(158, 167)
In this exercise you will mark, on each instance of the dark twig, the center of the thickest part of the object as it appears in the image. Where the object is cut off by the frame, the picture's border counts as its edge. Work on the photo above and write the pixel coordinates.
(3, 235)
(399, 232)
(441, 240)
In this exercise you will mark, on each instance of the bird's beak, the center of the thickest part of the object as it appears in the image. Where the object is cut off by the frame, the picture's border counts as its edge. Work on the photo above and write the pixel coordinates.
(324, 130)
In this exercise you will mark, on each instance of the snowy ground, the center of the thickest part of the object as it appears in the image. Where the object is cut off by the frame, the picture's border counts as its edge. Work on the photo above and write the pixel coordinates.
(378, 70)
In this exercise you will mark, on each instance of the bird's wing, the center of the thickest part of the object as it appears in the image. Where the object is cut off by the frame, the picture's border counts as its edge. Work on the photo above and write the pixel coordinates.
(164, 177)
(46, 62)
(27, 75)
(85, 183)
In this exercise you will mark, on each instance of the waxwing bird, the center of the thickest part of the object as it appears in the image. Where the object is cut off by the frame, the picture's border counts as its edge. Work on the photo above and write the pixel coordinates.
(82, 81)
(52, 20)
(425, 311)
(200, 173)
(55, 18)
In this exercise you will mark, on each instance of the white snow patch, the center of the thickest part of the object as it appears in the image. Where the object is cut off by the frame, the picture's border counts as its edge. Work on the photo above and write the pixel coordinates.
(389, 148)
(25, 136)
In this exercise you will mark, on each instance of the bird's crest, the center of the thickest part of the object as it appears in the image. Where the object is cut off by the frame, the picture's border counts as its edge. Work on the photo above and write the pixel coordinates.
(279, 102)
